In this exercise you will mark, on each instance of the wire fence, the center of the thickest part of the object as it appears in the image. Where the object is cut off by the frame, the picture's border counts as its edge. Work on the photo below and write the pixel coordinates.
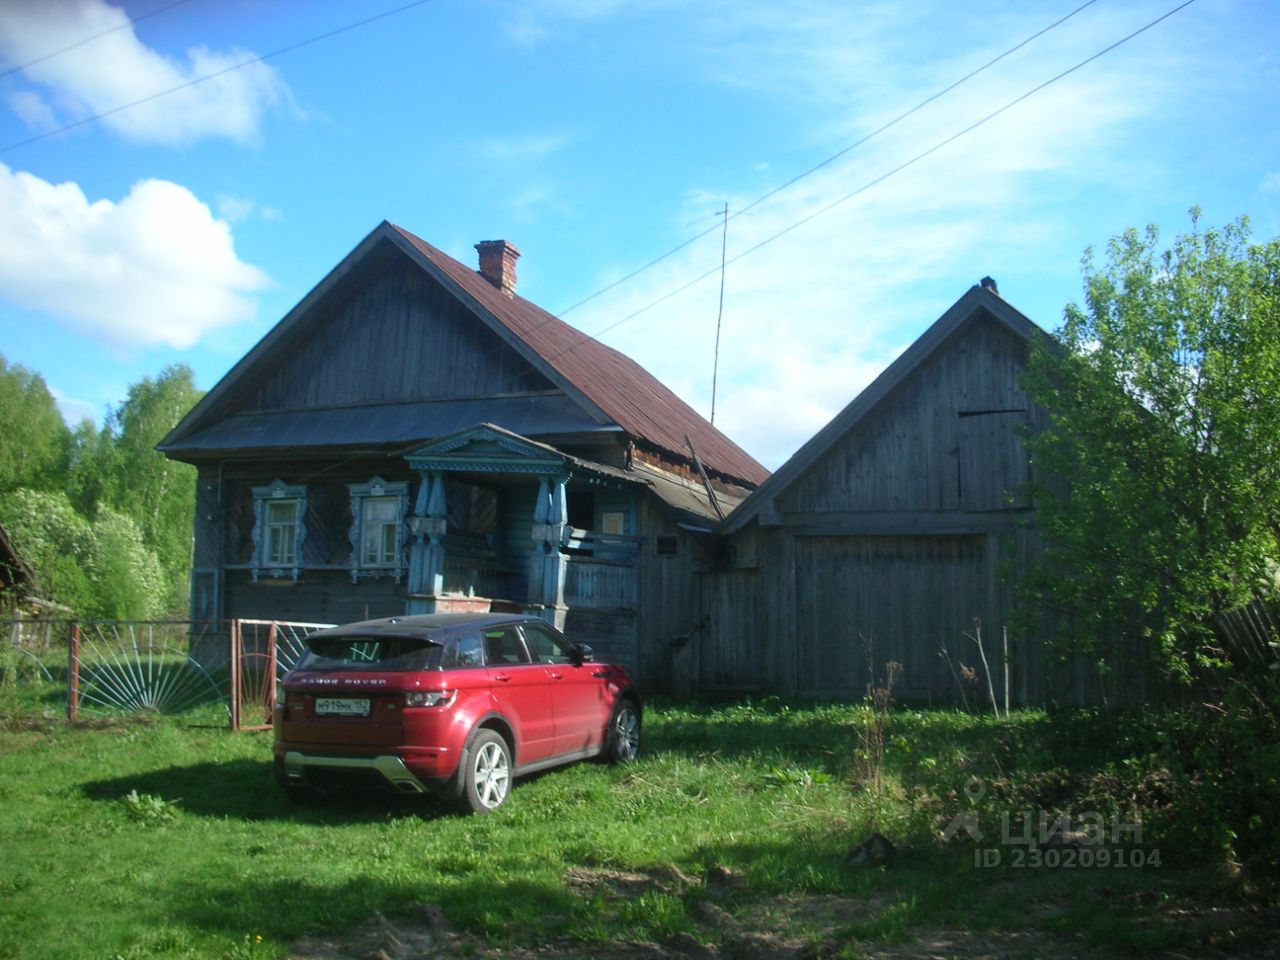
(204, 671)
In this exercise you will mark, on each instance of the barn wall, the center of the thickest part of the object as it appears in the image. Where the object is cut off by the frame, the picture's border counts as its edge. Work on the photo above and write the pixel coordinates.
(944, 439)
(667, 614)
(904, 541)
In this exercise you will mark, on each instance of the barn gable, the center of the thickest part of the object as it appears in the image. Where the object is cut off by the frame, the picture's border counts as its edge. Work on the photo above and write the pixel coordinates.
(885, 536)
(945, 438)
(964, 366)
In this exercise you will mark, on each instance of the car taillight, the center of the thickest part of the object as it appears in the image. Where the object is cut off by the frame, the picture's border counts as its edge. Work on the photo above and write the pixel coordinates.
(429, 698)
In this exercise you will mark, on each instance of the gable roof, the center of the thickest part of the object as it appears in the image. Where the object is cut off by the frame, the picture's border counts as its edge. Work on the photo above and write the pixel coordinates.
(609, 386)
(977, 301)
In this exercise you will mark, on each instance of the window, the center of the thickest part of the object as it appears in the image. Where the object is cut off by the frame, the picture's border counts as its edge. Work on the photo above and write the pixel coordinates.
(369, 653)
(463, 653)
(278, 530)
(282, 531)
(379, 534)
(546, 646)
(503, 646)
(613, 522)
(378, 510)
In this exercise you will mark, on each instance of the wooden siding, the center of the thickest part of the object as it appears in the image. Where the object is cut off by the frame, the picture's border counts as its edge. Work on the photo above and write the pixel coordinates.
(901, 537)
(737, 657)
(668, 617)
(862, 601)
(319, 596)
(396, 337)
(943, 441)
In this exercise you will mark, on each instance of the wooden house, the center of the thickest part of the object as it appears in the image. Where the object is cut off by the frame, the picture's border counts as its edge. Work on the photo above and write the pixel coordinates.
(892, 535)
(415, 437)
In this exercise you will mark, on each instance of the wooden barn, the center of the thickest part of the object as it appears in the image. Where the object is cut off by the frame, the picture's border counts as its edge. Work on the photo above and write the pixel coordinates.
(415, 437)
(891, 534)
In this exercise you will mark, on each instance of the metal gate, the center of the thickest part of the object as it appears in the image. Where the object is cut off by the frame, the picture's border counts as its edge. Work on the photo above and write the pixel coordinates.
(262, 652)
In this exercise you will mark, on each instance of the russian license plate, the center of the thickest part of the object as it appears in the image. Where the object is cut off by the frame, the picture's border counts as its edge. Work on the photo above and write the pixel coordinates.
(342, 707)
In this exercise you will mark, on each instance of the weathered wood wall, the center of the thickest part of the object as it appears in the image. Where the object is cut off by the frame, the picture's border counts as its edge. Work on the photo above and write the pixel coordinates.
(667, 618)
(394, 336)
(903, 539)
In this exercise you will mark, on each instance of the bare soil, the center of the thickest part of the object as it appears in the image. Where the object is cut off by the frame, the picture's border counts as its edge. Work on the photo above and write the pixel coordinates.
(786, 928)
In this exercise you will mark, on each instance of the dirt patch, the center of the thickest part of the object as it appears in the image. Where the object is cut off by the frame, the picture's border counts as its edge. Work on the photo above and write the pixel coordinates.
(789, 928)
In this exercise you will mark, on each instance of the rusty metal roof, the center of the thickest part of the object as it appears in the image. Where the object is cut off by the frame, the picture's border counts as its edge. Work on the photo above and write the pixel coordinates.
(631, 396)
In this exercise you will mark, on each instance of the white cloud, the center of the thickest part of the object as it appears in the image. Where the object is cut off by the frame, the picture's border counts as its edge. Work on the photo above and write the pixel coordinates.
(810, 318)
(234, 209)
(155, 268)
(1270, 183)
(32, 109)
(118, 69)
(521, 149)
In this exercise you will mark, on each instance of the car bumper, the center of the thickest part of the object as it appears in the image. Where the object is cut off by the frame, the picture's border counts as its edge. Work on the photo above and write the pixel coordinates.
(407, 774)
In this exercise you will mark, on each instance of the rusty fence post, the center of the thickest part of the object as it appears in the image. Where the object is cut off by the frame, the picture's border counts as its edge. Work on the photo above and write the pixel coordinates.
(73, 673)
(270, 680)
(233, 665)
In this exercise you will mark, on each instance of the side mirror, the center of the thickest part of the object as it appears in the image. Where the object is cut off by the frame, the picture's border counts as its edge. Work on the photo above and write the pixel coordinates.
(582, 653)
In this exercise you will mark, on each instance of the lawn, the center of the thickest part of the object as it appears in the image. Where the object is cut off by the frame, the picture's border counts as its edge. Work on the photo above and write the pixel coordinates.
(156, 838)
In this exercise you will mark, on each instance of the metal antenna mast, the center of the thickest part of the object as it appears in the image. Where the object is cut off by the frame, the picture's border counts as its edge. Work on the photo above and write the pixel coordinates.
(715, 366)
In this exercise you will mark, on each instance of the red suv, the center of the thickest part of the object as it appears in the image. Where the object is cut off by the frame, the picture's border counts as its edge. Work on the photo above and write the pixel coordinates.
(458, 704)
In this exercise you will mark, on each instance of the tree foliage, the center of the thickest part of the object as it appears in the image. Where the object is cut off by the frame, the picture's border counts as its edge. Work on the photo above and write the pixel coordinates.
(142, 483)
(1159, 467)
(33, 450)
(103, 518)
(56, 540)
(99, 569)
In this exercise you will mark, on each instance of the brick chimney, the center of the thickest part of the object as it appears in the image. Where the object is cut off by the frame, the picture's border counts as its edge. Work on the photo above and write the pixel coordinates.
(498, 264)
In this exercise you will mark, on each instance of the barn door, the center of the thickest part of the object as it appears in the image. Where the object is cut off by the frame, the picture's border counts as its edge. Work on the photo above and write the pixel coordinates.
(873, 599)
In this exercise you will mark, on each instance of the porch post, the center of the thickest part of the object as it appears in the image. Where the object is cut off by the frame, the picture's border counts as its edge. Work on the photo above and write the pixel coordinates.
(426, 556)
(548, 565)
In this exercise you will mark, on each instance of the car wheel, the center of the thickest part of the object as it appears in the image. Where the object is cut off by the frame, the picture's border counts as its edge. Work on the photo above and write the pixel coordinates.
(624, 733)
(487, 778)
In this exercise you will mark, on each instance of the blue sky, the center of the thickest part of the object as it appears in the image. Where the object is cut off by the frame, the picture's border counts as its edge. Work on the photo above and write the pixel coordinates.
(597, 135)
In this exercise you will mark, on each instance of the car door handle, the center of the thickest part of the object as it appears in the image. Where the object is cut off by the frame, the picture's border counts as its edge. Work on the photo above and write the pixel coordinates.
(502, 677)
(557, 676)
(600, 673)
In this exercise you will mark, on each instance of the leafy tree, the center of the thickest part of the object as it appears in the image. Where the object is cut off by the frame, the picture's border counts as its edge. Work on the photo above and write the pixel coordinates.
(1159, 501)
(142, 483)
(99, 569)
(33, 443)
(55, 540)
(127, 578)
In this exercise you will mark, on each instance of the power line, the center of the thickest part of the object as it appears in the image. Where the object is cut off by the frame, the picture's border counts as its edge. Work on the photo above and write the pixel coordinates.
(96, 36)
(835, 156)
(217, 73)
(885, 176)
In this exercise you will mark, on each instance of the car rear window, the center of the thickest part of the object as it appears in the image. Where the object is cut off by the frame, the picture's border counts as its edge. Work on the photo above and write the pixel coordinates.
(369, 653)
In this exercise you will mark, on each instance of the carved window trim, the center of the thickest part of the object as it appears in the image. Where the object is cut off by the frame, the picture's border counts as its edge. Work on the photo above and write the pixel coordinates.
(377, 490)
(269, 512)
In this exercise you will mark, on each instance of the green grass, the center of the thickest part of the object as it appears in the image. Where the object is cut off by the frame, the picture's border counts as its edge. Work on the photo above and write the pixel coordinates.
(149, 839)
